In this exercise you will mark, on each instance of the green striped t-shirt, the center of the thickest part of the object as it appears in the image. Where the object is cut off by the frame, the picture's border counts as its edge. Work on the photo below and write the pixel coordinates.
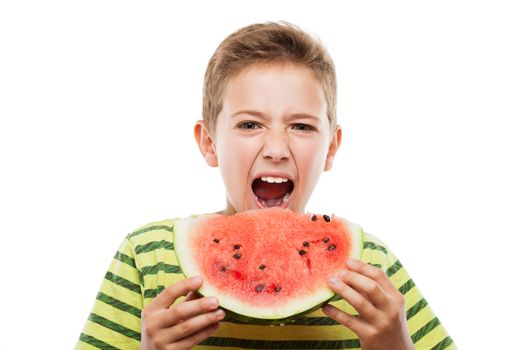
(146, 263)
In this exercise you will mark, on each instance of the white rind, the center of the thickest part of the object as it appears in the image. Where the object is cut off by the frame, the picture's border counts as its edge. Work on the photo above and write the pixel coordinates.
(357, 239)
(292, 307)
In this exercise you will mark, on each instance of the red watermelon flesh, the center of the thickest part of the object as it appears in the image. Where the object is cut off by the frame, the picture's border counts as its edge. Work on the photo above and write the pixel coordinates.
(267, 263)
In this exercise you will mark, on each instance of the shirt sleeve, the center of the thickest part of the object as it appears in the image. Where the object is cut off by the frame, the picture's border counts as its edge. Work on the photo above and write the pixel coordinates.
(425, 329)
(114, 322)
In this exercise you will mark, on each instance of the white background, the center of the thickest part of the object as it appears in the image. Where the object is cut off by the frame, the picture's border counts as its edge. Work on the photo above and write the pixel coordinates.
(97, 104)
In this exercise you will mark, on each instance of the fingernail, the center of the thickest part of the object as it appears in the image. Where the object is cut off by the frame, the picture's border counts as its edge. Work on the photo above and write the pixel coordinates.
(351, 262)
(333, 281)
(328, 308)
(196, 279)
(341, 274)
(220, 313)
(212, 302)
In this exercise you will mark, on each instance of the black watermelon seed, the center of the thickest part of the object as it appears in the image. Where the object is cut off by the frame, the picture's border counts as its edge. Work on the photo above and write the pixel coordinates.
(314, 218)
(237, 256)
(262, 267)
(236, 246)
(326, 240)
(277, 289)
(216, 240)
(326, 218)
(302, 252)
(259, 288)
(306, 244)
(331, 247)
(223, 269)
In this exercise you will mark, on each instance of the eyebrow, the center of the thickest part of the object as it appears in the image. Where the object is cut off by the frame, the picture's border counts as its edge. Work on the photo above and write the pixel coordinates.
(264, 116)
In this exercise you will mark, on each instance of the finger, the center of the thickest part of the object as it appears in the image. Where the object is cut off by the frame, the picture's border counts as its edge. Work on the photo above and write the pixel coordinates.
(192, 325)
(366, 286)
(187, 310)
(195, 338)
(371, 272)
(365, 308)
(192, 296)
(352, 322)
(169, 295)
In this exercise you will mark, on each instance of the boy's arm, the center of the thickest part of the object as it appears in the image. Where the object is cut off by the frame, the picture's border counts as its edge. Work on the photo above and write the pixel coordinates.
(114, 322)
(375, 289)
(121, 320)
(382, 322)
(184, 325)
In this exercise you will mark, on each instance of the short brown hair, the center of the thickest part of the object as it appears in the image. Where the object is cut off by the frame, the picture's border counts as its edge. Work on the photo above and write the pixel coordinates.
(269, 42)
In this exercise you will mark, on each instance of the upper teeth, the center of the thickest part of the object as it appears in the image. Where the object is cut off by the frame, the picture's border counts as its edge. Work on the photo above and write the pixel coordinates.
(272, 179)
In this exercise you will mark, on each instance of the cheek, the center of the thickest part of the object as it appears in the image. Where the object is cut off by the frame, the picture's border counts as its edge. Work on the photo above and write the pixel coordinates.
(242, 150)
(235, 157)
(312, 155)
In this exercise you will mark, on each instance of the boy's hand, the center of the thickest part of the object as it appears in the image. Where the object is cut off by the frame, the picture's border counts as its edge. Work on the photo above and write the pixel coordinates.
(181, 326)
(381, 323)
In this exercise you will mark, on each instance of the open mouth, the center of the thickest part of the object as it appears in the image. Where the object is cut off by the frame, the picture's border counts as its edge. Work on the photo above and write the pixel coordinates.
(272, 191)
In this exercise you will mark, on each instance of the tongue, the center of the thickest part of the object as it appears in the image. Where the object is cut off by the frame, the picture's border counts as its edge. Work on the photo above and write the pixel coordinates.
(270, 191)
(271, 202)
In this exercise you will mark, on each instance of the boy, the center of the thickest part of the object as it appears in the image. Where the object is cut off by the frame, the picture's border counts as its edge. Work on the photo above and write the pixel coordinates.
(269, 111)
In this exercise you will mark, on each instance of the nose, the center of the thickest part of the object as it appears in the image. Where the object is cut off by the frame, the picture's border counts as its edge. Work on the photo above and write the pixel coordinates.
(276, 147)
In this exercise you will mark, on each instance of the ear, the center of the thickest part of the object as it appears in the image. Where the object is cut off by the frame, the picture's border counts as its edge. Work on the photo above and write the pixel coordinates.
(205, 142)
(332, 149)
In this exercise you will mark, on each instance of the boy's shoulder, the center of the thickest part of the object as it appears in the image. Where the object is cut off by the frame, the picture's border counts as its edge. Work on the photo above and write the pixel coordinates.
(153, 226)
(156, 231)
(151, 236)
(370, 240)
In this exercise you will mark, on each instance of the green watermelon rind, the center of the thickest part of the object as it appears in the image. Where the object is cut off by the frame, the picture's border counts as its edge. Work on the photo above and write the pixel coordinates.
(274, 321)
(248, 315)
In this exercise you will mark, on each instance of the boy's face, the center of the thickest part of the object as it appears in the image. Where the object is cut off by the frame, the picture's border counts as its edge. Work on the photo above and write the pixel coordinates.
(272, 138)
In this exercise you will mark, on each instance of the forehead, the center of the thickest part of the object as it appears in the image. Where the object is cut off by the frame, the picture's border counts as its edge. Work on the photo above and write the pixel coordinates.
(275, 89)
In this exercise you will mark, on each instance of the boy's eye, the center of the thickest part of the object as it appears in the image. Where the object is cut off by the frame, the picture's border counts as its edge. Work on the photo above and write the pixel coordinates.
(303, 127)
(248, 125)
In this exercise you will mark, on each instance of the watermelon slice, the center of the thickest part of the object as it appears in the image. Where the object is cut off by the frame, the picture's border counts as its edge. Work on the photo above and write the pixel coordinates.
(269, 265)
